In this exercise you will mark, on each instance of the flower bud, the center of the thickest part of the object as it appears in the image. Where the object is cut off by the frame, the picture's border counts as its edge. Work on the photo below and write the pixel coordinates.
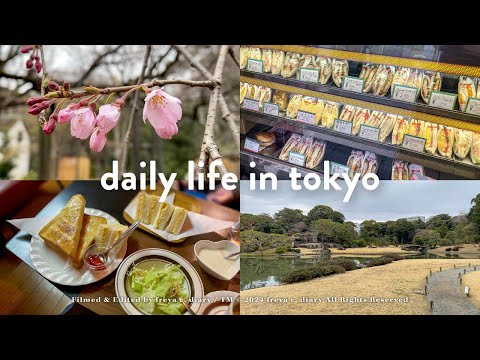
(83, 103)
(38, 66)
(51, 124)
(52, 85)
(66, 86)
(38, 108)
(29, 63)
(92, 106)
(35, 100)
(26, 48)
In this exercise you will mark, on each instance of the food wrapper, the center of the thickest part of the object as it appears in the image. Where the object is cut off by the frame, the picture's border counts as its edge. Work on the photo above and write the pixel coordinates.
(463, 142)
(432, 81)
(475, 150)
(369, 164)
(466, 89)
(414, 170)
(400, 170)
(368, 73)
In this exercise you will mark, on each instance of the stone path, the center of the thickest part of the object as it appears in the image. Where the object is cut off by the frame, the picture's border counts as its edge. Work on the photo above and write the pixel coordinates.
(448, 294)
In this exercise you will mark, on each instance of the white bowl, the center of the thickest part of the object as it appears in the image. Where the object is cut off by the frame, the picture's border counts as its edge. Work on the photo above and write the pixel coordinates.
(229, 246)
(194, 282)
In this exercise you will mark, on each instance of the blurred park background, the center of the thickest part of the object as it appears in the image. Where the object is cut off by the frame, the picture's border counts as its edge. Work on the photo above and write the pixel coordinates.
(26, 153)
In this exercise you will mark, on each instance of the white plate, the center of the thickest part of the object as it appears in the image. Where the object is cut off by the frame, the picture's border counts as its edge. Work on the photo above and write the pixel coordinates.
(216, 296)
(194, 282)
(57, 267)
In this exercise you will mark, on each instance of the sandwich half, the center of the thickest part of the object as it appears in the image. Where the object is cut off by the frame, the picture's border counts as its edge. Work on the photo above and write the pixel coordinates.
(87, 237)
(177, 221)
(107, 234)
(163, 216)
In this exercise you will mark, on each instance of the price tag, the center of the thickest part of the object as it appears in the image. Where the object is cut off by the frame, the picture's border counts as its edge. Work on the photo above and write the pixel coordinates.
(405, 93)
(442, 100)
(255, 65)
(336, 168)
(413, 143)
(296, 158)
(251, 145)
(309, 75)
(369, 132)
(270, 108)
(352, 84)
(473, 106)
(306, 117)
(343, 126)
(251, 104)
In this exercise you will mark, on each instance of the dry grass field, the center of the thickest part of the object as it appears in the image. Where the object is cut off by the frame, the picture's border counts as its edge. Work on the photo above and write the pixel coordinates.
(472, 279)
(398, 280)
(466, 249)
(371, 251)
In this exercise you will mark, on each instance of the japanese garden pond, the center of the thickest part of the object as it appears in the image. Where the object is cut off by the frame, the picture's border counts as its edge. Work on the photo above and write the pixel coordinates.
(267, 271)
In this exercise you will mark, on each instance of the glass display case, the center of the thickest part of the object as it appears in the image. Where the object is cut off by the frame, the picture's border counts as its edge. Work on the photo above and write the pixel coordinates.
(403, 112)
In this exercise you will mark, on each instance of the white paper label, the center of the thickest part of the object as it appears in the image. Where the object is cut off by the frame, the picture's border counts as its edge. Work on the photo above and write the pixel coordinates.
(442, 100)
(309, 75)
(352, 84)
(343, 126)
(250, 104)
(251, 145)
(414, 143)
(270, 109)
(255, 65)
(339, 169)
(296, 158)
(473, 106)
(369, 132)
(306, 117)
(404, 93)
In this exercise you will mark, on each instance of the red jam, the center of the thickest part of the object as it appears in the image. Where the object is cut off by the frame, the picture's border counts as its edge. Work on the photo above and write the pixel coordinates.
(94, 260)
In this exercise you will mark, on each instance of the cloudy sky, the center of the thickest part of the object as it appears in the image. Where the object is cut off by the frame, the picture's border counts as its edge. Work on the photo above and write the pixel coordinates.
(390, 201)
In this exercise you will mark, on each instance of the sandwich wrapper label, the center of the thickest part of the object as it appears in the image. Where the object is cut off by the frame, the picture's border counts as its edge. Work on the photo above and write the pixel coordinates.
(195, 224)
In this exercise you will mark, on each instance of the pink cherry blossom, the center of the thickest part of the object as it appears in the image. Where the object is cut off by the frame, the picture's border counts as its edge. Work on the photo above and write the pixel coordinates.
(162, 111)
(98, 139)
(83, 123)
(65, 115)
(108, 116)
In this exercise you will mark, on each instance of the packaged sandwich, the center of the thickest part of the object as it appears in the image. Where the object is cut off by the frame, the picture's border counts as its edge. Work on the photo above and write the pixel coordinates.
(368, 73)
(402, 74)
(290, 145)
(265, 95)
(415, 78)
(475, 149)
(329, 114)
(294, 106)
(243, 91)
(304, 145)
(383, 79)
(416, 128)
(432, 81)
(291, 63)
(369, 164)
(307, 61)
(361, 115)
(463, 142)
(255, 54)
(339, 70)
(399, 130)
(431, 130)
(414, 170)
(348, 112)
(277, 61)
(354, 163)
(244, 55)
(267, 60)
(466, 89)
(280, 98)
(250, 91)
(445, 139)
(386, 126)
(375, 119)
(315, 154)
(400, 170)
(325, 69)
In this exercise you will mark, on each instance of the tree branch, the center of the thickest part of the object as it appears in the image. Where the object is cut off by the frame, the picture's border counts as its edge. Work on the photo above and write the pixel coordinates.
(232, 55)
(156, 63)
(41, 116)
(148, 49)
(98, 61)
(209, 149)
(226, 114)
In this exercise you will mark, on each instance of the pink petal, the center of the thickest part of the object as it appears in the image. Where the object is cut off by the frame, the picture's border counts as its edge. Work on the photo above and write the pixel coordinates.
(98, 140)
(108, 116)
(168, 131)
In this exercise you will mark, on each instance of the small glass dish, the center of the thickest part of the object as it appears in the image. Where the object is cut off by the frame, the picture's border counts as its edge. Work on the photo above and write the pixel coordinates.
(93, 262)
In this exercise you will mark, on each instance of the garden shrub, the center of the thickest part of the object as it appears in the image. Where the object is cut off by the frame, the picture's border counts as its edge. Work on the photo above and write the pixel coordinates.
(295, 251)
(347, 264)
(379, 261)
(281, 250)
(448, 249)
(312, 272)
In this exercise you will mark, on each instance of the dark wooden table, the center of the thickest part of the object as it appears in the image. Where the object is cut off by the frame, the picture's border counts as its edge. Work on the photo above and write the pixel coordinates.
(113, 202)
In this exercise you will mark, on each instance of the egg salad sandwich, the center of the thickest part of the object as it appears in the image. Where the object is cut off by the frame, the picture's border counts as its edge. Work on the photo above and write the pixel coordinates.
(87, 237)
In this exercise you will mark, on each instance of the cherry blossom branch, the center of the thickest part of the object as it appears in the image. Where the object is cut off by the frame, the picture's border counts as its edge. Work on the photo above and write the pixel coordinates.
(148, 49)
(43, 85)
(209, 149)
(232, 55)
(226, 114)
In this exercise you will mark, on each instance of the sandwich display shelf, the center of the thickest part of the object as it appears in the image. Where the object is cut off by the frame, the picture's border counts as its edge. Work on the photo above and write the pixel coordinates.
(452, 67)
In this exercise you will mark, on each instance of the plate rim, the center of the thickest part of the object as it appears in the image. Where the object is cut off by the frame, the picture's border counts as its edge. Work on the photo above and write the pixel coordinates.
(130, 309)
(123, 251)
